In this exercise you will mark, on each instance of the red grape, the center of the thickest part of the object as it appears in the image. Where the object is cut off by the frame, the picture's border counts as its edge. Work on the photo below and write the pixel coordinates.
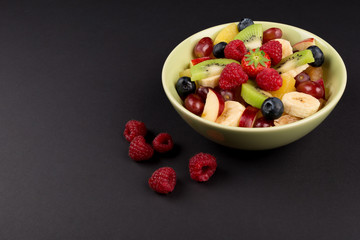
(263, 122)
(194, 103)
(204, 47)
(202, 92)
(301, 77)
(312, 88)
(227, 94)
(271, 33)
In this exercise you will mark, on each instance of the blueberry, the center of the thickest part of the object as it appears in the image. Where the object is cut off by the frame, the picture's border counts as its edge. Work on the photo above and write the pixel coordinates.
(245, 22)
(184, 86)
(318, 56)
(218, 50)
(272, 108)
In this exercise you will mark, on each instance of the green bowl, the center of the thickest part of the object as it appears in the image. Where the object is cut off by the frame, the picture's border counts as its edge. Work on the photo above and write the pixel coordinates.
(255, 138)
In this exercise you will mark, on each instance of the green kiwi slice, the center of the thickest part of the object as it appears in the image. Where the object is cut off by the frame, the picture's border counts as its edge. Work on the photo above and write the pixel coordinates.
(294, 60)
(209, 68)
(251, 36)
(252, 94)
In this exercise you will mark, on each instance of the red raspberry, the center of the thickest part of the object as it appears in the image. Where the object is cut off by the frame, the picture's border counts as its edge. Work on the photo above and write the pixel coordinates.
(163, 142)
(134, 128)
(139, 150)
(163, 180)
(274, 50)
(235, 50)
(202, 166)
(269, 79)
(232, 76)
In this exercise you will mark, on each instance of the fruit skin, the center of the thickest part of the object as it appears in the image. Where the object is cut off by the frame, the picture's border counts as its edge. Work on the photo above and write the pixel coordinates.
(304, 44)
(214, 106)
(218, 50)
(252, 95)
(251, 36)
(202, 92)
(163, 142)
(194, 104)
(288, 85)
(315, 73)
(184, 86)
(209, 68)
(139, 150)
(274, 50)
(312, 88)
(301, 77)
(318, 56)
(163, 180)
(285, 119)
(271, 33)
(300, 104)
(227, 34)
(204, 47)
(293, 61)
(134, 128)
(195, 61)
(269, 79)
(202, 166)
(231, 114)
(263, 122)
(248, 117)
(244, 23)
(255, 61)
(287, 49)
(272, 108)
(235, 50)
(232, 76)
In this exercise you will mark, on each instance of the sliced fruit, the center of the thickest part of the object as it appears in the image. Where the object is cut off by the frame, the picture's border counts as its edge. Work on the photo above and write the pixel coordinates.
(287, 49)
(318, 56)
(294, 72)
(198, 60)
(248, 117)
(209, 68)
(214, 106)
(227, 34)
(304, 44)
(300, 104)
(185, 73)
(251, 36)
(285, 119)
(212, 81)
(315, 73)
(252, 94)
(231, 114)
(294, 60)
(288, 85)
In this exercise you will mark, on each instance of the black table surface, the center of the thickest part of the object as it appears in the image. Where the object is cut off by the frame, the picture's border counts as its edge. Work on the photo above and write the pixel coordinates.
(72, 73)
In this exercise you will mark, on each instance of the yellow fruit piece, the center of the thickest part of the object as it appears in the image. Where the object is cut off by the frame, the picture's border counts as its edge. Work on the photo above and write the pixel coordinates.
(227, 34)
(185, 73)
(288, 85)
(315, 73)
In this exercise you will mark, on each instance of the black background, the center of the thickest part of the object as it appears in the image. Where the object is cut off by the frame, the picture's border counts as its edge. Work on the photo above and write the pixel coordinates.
(73, 73)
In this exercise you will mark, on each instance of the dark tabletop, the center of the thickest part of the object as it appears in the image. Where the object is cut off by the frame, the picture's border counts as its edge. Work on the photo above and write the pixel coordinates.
(73, 73)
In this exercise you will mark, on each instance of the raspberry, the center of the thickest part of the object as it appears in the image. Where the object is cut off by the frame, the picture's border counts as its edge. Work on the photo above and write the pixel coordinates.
(232, 76)
(134, 128)
(139, 150)
(163, 180)
(202, 166)
(163, 142)
(235, 50)
(274, 50)
(269, 79)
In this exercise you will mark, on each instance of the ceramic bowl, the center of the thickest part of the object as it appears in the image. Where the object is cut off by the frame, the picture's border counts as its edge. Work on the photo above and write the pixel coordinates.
(335, 78)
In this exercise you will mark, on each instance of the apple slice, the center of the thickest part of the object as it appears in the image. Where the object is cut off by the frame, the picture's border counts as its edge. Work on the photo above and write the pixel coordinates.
(248, 117)
(214, 106)
(212, 81)
(304, 44)
(195, 61)
(231, 114)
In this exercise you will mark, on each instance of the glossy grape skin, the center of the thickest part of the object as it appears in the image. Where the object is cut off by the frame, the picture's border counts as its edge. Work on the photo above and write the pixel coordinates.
(227, 94)
(312, 88)
(271, 33)
(272, 108)
(318, 56)
(301, 77)
(202, 92)
(194, 103)
(184, 86)
(263, 122)
(204, 47)
(218, 50)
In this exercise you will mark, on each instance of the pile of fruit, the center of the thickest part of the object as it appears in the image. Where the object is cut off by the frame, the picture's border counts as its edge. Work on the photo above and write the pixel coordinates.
(248, 76)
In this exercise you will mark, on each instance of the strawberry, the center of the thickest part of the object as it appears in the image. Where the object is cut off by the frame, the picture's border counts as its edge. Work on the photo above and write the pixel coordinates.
(274, 50)
(255, 61)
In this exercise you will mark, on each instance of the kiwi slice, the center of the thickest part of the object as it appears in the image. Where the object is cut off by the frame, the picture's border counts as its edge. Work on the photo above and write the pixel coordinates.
(251, 36)
(294, 60)
(209, 68)
(252, 94)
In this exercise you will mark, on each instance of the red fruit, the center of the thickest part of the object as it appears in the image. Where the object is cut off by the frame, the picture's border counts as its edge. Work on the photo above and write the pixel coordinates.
(255, 61)
(139, 150)
(274, 50)
(134, 128)
(204, 47)
(269, 79)
(271, 33)
(194, 103)
(163, 143)
(248, 117)
(163, 180)
(232, 76)
(263, 122)
(313, 88)
(235, 50)
(199, 60)
(202, 166)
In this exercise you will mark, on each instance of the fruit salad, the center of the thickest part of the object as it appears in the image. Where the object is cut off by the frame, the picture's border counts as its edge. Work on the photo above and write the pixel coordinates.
(248, 76)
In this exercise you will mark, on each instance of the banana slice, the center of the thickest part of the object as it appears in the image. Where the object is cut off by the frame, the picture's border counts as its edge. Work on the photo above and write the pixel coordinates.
(294, 72)
(300, 104)
(285, 119)
(231, 114)
(287, 49)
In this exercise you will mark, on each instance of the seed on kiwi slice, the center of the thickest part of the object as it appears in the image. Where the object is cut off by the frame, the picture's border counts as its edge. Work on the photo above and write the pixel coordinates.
(252, 94)
(251, 36)
(294, 60)
(209, 68)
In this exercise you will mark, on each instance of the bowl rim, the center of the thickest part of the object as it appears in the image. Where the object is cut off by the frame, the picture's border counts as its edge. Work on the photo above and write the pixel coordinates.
(326, 109)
